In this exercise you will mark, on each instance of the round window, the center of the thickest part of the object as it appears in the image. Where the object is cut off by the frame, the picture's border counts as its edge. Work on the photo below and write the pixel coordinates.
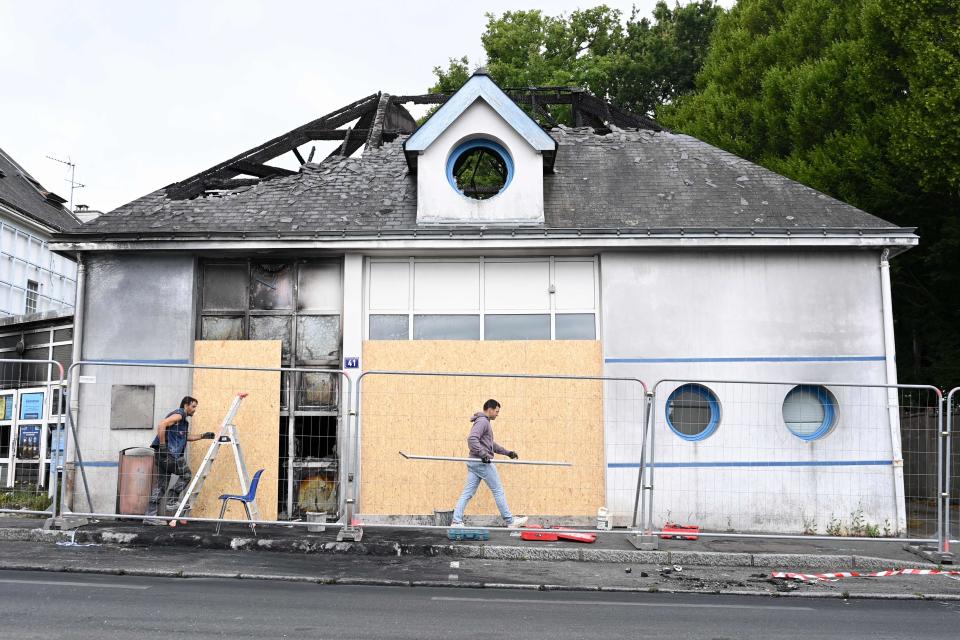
(809, 411)
(693, 411)
(479, 169)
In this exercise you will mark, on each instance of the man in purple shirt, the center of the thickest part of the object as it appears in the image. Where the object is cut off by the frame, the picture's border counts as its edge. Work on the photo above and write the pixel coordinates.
(484, 447)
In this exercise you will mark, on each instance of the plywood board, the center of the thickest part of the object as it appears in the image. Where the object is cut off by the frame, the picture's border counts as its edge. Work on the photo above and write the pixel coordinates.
(257, 421)
(541, 419)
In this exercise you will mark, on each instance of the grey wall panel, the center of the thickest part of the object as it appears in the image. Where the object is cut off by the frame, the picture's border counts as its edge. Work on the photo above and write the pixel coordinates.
(698, 305)
(139, 307)
(762, 315)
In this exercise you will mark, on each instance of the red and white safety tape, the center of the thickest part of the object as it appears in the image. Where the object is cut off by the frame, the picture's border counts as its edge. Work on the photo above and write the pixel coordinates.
(833, 577)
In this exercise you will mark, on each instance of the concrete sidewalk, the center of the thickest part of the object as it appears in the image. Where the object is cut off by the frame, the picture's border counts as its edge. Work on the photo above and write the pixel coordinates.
(797, 555)
(425, 572)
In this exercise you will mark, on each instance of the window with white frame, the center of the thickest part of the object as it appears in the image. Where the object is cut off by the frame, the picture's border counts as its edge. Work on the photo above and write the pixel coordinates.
(33, 293)
(482, 299)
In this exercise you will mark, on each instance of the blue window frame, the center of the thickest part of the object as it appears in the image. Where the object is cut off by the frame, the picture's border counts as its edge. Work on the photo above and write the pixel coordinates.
(810, 411)
(693, 412)
(472, 145)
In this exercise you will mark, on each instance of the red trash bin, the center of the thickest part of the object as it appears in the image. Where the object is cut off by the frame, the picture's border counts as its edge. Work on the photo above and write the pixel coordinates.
(134, 480)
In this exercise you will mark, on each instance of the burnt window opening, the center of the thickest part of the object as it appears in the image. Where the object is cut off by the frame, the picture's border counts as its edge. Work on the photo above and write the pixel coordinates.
(299, 304)
(313, 468)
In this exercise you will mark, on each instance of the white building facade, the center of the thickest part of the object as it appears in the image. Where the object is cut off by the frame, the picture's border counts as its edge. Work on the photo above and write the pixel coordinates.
(685, 264)
(33, 279)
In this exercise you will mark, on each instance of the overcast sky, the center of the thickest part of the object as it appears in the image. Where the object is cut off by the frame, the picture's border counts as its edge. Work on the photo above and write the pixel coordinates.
(140, 95)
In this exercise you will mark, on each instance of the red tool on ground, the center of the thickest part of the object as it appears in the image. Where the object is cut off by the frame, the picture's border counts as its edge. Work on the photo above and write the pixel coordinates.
(674, 531)
(553, 534)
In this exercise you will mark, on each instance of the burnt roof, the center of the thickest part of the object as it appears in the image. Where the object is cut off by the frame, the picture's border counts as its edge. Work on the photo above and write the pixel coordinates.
(604, 177)
(22, 193)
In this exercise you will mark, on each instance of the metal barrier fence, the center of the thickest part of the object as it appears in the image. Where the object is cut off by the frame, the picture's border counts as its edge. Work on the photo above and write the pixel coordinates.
(785, 458)
(739, 458)
(32, 435)
(952, 467)
(291, 424)
(593, 423)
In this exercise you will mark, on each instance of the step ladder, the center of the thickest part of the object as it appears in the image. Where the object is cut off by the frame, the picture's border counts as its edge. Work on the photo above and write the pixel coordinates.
(227, 435)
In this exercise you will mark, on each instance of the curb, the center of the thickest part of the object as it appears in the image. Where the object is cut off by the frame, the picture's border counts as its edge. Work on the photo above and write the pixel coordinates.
(374, 582)
(478, 551)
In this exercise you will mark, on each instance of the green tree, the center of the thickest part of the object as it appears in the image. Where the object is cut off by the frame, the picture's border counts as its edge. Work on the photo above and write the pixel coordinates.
(861, 100)
(639, 63)
(662, 56)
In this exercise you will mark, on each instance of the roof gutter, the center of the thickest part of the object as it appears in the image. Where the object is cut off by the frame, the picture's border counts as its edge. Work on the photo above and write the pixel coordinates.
(897, 240)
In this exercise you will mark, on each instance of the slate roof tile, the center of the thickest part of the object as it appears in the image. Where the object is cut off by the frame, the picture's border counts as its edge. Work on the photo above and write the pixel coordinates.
(626, 179)
(19, 191)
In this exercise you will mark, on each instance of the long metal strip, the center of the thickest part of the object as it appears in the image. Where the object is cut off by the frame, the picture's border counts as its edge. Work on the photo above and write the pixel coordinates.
(546, 463)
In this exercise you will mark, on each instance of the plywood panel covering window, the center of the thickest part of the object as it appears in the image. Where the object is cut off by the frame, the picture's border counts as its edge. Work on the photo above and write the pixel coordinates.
(553, 298)
(541, 418)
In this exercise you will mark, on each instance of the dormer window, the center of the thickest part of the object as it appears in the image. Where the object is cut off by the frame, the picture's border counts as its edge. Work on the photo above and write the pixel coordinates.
(480, 160)
(480, 169)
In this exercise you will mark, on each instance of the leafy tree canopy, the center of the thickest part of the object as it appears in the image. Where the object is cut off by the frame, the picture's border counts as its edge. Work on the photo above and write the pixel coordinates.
(638, 63)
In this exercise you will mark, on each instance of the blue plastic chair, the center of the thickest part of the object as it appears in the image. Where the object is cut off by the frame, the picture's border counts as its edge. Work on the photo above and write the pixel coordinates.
(245, 500)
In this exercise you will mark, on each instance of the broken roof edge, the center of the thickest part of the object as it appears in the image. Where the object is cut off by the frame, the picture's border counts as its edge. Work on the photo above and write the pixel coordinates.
(480, 86)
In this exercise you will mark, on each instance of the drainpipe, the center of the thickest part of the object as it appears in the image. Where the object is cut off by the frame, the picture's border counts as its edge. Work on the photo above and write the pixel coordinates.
(893, 403)
(74, 389)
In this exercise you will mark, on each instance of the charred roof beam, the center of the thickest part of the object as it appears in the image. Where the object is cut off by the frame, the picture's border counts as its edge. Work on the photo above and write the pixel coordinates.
(324, 128)
(259, 170)
(588, 110)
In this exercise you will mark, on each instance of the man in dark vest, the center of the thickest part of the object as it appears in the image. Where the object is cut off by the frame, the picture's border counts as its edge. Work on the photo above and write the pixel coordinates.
(170, 445)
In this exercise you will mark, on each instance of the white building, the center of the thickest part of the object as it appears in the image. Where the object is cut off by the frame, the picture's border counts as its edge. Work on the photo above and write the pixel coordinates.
(33, 279)
(37, 291)
(680, 261)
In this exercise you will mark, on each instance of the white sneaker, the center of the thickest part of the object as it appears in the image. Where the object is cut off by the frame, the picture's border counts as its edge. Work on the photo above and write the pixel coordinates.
(457, 525)
(518, 522)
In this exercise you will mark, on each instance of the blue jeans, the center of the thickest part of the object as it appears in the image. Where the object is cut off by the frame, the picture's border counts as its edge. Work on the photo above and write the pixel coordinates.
(477, 471)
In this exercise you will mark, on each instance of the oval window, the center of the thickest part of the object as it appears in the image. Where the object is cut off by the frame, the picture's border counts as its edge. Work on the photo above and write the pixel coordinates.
(693, 411)
(809, 411)
(479, 169)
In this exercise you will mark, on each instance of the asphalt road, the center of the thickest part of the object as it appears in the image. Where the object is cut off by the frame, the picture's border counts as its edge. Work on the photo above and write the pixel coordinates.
(69, 605)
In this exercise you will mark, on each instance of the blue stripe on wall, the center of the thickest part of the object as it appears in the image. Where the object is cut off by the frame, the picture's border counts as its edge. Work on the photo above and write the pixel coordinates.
(748, 359)
(100, 463)
(121, 361)
(756, 463)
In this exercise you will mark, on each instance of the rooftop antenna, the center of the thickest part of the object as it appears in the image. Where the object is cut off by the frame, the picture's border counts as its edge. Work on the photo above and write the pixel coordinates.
(73, 170)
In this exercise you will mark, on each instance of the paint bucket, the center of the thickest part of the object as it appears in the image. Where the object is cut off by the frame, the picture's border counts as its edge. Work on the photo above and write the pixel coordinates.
(319, 517)
(442, 518)
(603, 519)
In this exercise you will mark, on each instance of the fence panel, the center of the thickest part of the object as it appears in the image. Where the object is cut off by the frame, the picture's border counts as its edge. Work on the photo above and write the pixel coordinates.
(593, 423)
(32, 403)
(795, 458)
(289, 424)
(952, 466)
